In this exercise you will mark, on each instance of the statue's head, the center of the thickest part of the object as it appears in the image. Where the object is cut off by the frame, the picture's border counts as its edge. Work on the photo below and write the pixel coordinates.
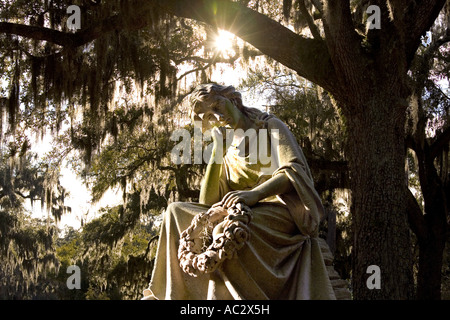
(219, 104)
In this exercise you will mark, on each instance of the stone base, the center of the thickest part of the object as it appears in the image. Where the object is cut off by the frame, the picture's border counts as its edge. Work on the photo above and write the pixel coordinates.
(340, 286)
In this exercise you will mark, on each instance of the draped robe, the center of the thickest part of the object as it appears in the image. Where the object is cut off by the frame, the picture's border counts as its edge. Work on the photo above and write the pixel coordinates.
(282, 258)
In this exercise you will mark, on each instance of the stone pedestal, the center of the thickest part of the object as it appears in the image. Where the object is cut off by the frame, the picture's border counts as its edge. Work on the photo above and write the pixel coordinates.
(340, 286)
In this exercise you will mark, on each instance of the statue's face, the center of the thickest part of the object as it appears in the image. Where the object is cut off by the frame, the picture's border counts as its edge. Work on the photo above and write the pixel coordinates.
(219, 111)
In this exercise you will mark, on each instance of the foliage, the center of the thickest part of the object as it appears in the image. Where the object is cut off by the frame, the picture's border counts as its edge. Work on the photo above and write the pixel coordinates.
(27, 250)
(305, 108)
(428, 133)
(27, 256)
(110, 267)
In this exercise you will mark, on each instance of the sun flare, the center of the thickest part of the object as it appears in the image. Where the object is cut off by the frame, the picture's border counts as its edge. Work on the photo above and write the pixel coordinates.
(224, 41)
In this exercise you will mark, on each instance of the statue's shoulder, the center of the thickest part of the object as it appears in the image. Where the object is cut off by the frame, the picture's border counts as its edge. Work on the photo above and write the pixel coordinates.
(273, 122)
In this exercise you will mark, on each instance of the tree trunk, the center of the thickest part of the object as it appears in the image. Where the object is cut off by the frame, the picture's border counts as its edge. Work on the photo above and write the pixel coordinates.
(430, 265)
(376, 151)
(429, 226)
(431, 243)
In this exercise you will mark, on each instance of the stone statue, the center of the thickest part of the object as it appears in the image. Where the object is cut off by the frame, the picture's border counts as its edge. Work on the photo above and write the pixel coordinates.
(253, 234)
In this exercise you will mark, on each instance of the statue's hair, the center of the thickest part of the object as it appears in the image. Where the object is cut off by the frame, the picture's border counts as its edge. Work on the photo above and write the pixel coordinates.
(205, 93)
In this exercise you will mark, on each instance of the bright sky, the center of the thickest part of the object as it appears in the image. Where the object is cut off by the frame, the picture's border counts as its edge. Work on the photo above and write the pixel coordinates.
(78, 199)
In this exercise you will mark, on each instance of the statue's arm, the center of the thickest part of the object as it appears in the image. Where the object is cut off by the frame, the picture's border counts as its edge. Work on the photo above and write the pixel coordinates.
(279, 183)
(287, 152)
(276, 185)
(209, 190)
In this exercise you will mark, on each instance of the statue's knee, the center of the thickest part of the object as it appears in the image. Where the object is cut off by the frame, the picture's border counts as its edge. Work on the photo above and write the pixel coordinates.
(173, 210)
(173, 207)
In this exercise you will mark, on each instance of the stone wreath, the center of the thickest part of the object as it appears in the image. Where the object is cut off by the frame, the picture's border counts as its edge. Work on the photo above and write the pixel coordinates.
(205, 244)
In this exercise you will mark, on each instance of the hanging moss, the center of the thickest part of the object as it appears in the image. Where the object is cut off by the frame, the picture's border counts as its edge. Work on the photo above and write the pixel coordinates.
(13, 100)
(27, 255)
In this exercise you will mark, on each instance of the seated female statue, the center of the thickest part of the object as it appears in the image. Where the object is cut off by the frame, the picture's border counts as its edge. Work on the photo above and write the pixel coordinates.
(275, 206)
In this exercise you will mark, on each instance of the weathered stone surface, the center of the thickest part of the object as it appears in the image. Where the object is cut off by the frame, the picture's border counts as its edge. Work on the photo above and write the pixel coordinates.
(326, 253)
(342, 294)
(333, 273)
(340, 286)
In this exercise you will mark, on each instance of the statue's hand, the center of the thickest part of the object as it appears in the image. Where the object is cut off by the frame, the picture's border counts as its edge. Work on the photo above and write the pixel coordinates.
(249, 197)
(220, 139)
(218, 134)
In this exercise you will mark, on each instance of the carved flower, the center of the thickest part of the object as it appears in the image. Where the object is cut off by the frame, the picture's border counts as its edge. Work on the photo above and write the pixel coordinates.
(241, 235)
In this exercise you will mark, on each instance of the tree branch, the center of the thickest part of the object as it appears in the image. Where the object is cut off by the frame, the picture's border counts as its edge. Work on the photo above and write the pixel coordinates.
(344, 45)
(419, 17)
(415, 217)
(29, 196)
(441, 141)
(67, 39)
(318, 5)
(312, 26)
(309, 57)
(38, 33)
(430, 52)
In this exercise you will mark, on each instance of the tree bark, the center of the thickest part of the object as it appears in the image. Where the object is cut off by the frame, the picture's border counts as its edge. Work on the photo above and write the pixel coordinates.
(373, 98)
(381, 233)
